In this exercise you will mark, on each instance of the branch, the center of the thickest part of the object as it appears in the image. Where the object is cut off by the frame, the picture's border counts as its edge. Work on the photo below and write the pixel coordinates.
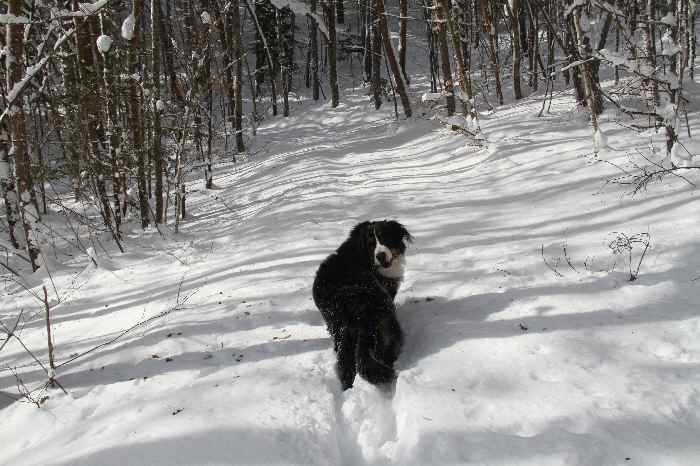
(87, 9)
(11, 333)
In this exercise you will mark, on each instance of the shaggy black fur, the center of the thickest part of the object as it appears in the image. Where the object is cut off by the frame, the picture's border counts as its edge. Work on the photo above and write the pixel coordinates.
(357, 301)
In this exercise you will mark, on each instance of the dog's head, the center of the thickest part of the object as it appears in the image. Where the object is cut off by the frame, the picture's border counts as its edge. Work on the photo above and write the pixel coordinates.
(383, 244)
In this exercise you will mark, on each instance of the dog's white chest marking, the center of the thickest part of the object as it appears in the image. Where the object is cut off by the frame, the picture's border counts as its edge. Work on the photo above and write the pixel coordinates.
(397, 264)
(395, 270)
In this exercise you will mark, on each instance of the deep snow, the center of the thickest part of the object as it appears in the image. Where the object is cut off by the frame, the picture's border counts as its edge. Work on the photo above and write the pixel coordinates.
(506, 362)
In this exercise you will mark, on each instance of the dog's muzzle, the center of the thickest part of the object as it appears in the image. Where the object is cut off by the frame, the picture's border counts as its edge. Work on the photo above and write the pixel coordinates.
(383, 259)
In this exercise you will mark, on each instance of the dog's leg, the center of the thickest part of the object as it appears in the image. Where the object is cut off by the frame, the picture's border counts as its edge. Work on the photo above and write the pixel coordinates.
(345, 343)
(369, 366)
(389, 340)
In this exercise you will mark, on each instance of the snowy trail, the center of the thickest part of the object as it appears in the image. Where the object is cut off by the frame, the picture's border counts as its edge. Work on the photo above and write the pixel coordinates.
(506, 362)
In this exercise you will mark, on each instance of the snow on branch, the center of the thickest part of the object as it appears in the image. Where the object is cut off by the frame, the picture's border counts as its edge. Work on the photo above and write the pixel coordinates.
(13, 19)
(612, 9)
(84, 10)
(30, 73)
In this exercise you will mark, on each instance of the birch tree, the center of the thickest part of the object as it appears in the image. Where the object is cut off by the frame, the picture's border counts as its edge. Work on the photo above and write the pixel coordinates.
(21, 198)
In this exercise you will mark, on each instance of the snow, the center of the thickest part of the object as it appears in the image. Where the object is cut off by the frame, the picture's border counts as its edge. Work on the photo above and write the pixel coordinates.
(505, 363)
(668, 112)
(128, 27)
(4, 170)
(104, 43)
(431, 97)
(92, 8)
(9, 18)
(616, 58)
(19, 86)
(84, 9)
(600, 142)
(680, 156)
(670, 47)
(669, 19)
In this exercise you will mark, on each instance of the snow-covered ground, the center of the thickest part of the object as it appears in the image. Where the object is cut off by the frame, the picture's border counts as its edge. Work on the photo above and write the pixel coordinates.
(526, 342)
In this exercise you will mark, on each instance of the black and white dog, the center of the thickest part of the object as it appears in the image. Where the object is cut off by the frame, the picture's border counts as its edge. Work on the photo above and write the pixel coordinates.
(354, 289)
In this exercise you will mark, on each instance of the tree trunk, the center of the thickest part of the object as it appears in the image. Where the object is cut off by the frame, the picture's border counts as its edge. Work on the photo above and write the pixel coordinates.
(8, 185)
(490, 30)
(367, 8)
(515, 15)
(156, 150)
(376, 56)
(403, 33)
(584, 54)
(340, 11)
(391, 57)
(113, 135)
(238, 74)
(285, 26)
(332, 47)
(462, 68)
(134, 108)
(448, 86)
(692, 44)
(650, 42)
(313, 30)
(264, 31)
(18, 132)
(431, 47)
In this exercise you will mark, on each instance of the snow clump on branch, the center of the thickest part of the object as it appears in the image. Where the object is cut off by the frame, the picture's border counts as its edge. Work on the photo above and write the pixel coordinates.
(104, 44)
(128, 27)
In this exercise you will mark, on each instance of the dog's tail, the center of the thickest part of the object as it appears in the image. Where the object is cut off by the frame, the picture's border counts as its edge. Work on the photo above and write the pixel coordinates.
(372, 369)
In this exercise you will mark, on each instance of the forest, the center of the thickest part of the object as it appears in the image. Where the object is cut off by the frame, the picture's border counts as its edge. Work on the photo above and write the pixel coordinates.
(119, 103)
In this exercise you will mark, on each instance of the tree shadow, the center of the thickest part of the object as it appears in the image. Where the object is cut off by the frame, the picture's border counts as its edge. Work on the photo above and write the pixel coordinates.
(433, 324)
(228, 445)
(627, 440)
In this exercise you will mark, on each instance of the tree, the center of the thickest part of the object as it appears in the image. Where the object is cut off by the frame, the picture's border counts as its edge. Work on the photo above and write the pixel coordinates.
(515, 10)
(131, 32)
(391, 58)
(156, 109)
(491, 33)
(332, 53)
(235, 31)
(23, 195)
(448, 86)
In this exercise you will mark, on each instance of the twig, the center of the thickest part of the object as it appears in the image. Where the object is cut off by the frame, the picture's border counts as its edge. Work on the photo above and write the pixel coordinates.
(10, 333)
(568, 259)
(179, 305)
(12, 271)
(48, 331)
(556, 272)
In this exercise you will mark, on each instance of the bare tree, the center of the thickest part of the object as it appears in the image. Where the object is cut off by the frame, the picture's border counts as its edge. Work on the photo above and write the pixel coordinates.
(448, 85)
(332, 53)
(25, 187)
(391, 58)
(156, 108)
(515, 15)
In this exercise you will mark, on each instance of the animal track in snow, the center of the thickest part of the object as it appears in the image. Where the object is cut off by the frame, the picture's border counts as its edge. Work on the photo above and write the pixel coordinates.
(370, 419)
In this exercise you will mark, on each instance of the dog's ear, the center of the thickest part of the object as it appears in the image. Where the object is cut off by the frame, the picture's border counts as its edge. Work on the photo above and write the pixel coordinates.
(363, 235)
(363, 241)
(405, 235)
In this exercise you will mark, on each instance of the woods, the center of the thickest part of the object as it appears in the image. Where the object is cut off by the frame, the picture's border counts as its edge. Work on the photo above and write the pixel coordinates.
(174, 172)
(122, 103)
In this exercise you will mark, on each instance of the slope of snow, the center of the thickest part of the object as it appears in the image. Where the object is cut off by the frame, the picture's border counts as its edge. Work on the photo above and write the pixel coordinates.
(526, 344)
